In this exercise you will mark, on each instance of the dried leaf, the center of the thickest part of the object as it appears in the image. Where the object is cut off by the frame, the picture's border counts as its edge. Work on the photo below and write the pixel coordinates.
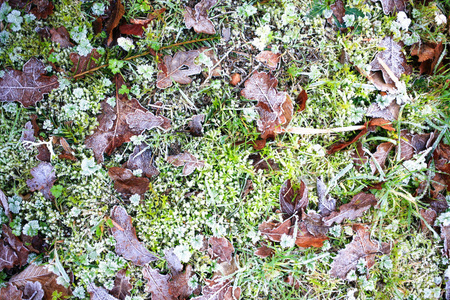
(99, 293)
(122, 287)
(301, 100)
(380, 156)
(389, 113)
(360, 158)
(393, 57)
(17, 245)
(195, 125)
(352, 210)
(10, 292)
(441, 158)
(220, 249)
(40, 8)
(260, 163)
(235, 79)
(45, 277)
(43, 179)
(314, 224)
(127, 243)
(189, 161)
(8, 257)
(269, 58)
(27, 86)
(219, 289)
(142, 158)
(27, 135)
(119, 123)
(117, 12)
(197, 17)
(264, 251)
(275, 108)
(391, 6)
(177, 68)
(61, 36)
(179, 285)
(305, 238)
(33, 291)
(429, 55)
(338, 10)
(429, 216)
(327, 204)
(361, 247)
(5, 205)
(173, 261)
(83, 63)
(137, 27)
(157, 284)
(293, 198)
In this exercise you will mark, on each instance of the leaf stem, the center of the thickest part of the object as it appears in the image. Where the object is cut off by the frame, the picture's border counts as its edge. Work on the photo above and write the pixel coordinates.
(304, 130)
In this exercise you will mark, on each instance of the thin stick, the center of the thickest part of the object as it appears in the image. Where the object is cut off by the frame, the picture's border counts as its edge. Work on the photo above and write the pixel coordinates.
(303, 130)
(389, 71)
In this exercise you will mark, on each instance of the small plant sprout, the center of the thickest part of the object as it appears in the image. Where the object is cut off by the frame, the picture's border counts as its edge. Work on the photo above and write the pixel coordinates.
(183, 253)
(125, 43)
(89, 166)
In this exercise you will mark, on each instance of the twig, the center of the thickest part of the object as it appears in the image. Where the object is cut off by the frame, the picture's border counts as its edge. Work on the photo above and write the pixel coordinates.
(389, 71)
(303, 130)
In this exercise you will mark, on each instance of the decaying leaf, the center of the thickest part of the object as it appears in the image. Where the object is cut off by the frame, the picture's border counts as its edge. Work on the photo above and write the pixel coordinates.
(99, 293)
(27, 86)
(441, 158)
(429, 216)
(117, 12)
(260, 163)
(41, 9)
(195, 125)
(361, 247)
(5, 205)
(137, 26)
(269, 58)
(220, 249)
(157, 284)
(327, 204)
(43, 179)
(33, 291)
(177, 68)
(338, 10)
(142, 158)
(302, 98)
(380, 156)
(314, 224)
(41, 274)
(219, 289)
(352, 210)
(119, 123)
(293, 198)
(186, 159)
(275, 108)
(83, 63)
(173, 262)
(8, 258)
(389, 113)
(411, 144)
(122, 286)
(197, 17)
(179, 285)
(17, 245)
(360, 157)
(27, 135)
(211, 54)
(127, 243)
(445, 235)
(10, 292)
(391, 6)
(429, 55)
(61, 36)
(264, 251)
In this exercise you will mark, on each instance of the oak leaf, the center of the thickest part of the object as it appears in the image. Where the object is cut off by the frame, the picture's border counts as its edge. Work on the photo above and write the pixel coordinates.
(33, 291)
(275, 108)
(43, 179)
(177, 68)
(197, 17)
(83, 63)
(186, 159)
(122, 286)
(219, 289)
(380, 156)
(27, 86)
(429, 55)
(99, 293)
(220, 249)
(8, 257)
(119, 123)
(352, 210)
(142, 159)
(269, 58)
(391, 6)
(127, 243)
(361, 247)
(10, 292)
(293, 198)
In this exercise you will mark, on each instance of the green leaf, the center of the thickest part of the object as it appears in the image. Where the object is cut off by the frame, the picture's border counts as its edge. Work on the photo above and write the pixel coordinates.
(56, 190)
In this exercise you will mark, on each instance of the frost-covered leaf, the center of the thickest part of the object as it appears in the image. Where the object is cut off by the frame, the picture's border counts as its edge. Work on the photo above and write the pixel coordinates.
(197, 17)
(219, 289)
(361, 247)
(122, 286)
(61, 36)
(10, 292)
(157, 284)
(314, 224)
(429, 55)
(220, 249)
(195, 125)
(380, 156)
(99, 293)
(177, 68)
(293, 198)
(429, 216)
(261, 163)
(445, 235)
(83, 63)
(127, 243)
(43, 179)
(269, 58)
(275, 108)
(264, 251)
(5, 204)
(441, 158)
(33, 291)
(389, 113)
(173, 261)
(391, 6)
(327, 204)
(189, 161)
(142, 159)
(17, 245)
(27, 86)
(352, 210)
(119, 123)
(8, 257)
(179, 285)
(211, 55)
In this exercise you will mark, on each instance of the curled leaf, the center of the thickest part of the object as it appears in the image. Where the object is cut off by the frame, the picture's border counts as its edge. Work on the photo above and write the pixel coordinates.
(197, 17)
(189, 161)
(380, 155)
(177, 68)
(293, 198)
(195, 125)
(352, 210)
(117, 12)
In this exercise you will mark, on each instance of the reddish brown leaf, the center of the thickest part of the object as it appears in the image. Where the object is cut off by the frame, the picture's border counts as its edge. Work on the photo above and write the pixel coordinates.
(43, 153)
(177, 68)
(314, 224)
(33, 291)
(189, 161)
(445, 235)
(99, 293)
(429, 216)
(157, 284)
(219, 289)
(380, 156)
(441, 158)
(306, 239)
(122, 287)
(338, 11)
(429, 55)
(293, 198)
(117, 11)
(16, 244)
(273, 230)
(40, 8)
(195, 125)
(43, 179)
(179, 285)
(359, 157)
(197, 17)
(83, 63)
(352, 210)
(8, 257)
(47, 279)
(61, 36)
(137, 27)
(27, 86)
(269, 58)
(235, 79)
(142, 158)
(301, 100)
(127, 243)
(260, 163)
(220, 249)
(275, 108)
(119, 123)
(10, 292)
(292, 282)
(264, 251)
(391, 6)
(389, 113)
(5, 204)
(361, 247)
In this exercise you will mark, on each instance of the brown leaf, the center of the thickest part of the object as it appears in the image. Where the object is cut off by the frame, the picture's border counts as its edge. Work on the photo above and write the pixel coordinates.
(122, 287)
(137, 27)
(235, 79)
(142, 158)
(61, 36)
(293, 198)
(441, 158)
(99, 293)
(274, 230)
(275, 108)
(219, 289)
(117, 12)
(269, 58)
(429, 55)
(189, 161)
(380, 156)
(393, 57)
(119, 123)
(47, 279)
(352, 210)
(157, 284)
(33, 291)
(220, 249)
(306, 239)
(195, 125)
(326, 203)
(247, 188)
(43, 179)
(179, 285)
(8, 257)
(361, 247)
(5, 205)
(17, 245)
(377, 79)
(429, 216)
(264, 251)
(338, 11)
(40, 8)
(389, 113)
(173, 262)
(260, 163)
(177, 68)
(301, 100)
(43, 153)
(391, 6)
(27, 135)
(27, 86)
(10, 292)
(127, 244)
(197, 17)
(445, 235)
(83, 63)
(314, 224)
(360, 157)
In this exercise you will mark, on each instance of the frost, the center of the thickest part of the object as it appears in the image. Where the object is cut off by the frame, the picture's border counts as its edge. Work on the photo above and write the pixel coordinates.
(79, 292)
(84, 48)
(182, 252)
(197, 242)
(78, 92)
(349, 20)
(125, 43)
(31, 228)
(98, 9)
(15, 203)
(135, 199)
(287, 241)
(403, 20)
(145, 71)
(89, 167)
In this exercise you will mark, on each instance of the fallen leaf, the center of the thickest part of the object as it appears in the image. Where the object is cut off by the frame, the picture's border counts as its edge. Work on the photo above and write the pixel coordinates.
(327, 204)
(306, 239)
(157, 284)
(262, 163)
(27, 135)
(127, 244)
(17, 245)
(179, 285)
(301, 100)
(411, 144)
(391, 6)
(314, 224)
(122, 286)
(43, 154)
(142, 159)
(33, 291)
(295, 283)
(393, 57)
(186, 159)
(235, 79)
(10, 292)
(441, 157)
(61, 36)
(389, 113)
(43, 179)
(137, 26)
(177, 68)
(99, 293)
(117, 12)
(211, 54)
(361, 247)
(247, 188)
(197, 17)
(83, 63)
(429, 55)
(380, 156)
(40, 8)
(8, 258)
(264, 251)
(429, 216)
(269, 58)
(445, 235)
(220, 249)
(338, 10)
(119, 123)
(352, 210)
(195, 125)
(359, 157)
(275, 108)
(47, 279)
(5, 205)
(27, 86)
(173, 261)
(219, 289)
(293, 198)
